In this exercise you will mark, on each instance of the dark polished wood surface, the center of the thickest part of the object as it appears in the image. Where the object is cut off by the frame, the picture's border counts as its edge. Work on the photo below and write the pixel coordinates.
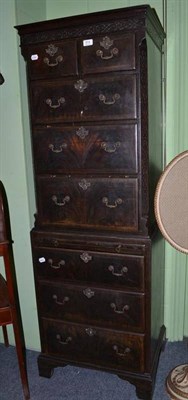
(95, 254)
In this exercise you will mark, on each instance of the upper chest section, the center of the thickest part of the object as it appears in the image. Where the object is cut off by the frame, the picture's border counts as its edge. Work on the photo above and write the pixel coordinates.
(70, 57)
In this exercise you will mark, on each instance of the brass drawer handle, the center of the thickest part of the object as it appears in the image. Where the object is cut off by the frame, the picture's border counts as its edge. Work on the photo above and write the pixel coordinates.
(124, 354)
(110, 147)
(113, 52)
(88, 293)
(52, 50)
(60, 303)
(124, 270)
(58, 60)
(90, 331)
(85, 257)
(66, 199)
(53, 148)
(58, 266)
(104, 100)
(116, 203)
(114, 307)
(64, 342)
(106, 43)
(60, 101)
(80, 85)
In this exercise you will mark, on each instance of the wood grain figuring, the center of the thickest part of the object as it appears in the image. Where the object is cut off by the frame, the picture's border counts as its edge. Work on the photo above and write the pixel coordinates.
(103, 149)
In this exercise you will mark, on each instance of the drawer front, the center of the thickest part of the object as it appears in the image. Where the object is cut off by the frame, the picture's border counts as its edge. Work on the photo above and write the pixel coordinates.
(104, 203)
(112, 309)
(66, 265)
(89, 243)
(109, 98)
(52, 59)
(84, 100)
(108, 53)
(99, 148)
(95, 346)
(54, 101)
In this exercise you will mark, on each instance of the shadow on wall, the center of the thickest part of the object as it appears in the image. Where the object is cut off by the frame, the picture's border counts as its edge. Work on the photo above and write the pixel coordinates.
(1, 79)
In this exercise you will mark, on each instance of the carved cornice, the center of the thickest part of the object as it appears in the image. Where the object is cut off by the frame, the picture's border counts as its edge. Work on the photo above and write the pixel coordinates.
(85, 30)
(153, 28)
(143, 19)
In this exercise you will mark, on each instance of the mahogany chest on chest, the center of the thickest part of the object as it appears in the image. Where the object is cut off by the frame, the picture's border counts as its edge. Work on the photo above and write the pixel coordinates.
(95, 95)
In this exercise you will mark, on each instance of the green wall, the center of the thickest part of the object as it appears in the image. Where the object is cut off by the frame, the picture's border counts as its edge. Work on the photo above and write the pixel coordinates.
(15, 150)
(176, 282)
(55, 8)
(13, 171)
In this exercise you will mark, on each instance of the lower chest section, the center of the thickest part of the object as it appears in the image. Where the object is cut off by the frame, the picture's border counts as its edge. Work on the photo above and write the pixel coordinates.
(92, 300)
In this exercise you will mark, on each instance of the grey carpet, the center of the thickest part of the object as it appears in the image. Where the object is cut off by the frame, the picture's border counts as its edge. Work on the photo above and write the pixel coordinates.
(73, 383)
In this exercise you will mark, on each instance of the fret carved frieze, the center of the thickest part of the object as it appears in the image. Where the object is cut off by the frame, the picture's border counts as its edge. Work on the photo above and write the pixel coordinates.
(85, 30)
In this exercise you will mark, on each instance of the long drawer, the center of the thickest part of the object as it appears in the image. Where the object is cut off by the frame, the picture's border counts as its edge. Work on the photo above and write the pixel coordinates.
(104, 98)
(101, 149)
(99, 203)
(108, 308)
(87, 266)
(94, 346)
(90, 242)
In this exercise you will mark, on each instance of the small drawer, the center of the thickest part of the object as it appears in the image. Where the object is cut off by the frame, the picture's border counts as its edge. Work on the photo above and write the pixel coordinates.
(108, 53)
(108, 308)
(52, 59)
(87, 266)
(109, 204)
(109, 149)
(94, 346)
